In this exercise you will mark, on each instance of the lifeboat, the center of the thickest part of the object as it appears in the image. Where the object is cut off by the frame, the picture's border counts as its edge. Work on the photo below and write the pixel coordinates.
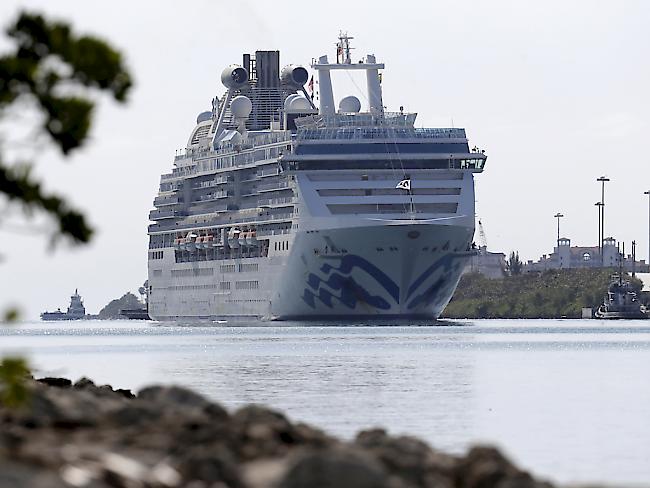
(233, 237)
(242, 238)
(251, 238)
(190, 241)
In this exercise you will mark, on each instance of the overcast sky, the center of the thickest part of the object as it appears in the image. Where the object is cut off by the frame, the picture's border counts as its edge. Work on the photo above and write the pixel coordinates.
(556, 92)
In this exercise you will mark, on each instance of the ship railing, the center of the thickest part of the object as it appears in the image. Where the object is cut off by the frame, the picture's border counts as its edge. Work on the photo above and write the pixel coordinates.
(387, 119)
(275, 201)
(261, 218)
(390, 133)
(161, 201)
(164, 214)
(278, 185)
(272, 232)
(255, 139)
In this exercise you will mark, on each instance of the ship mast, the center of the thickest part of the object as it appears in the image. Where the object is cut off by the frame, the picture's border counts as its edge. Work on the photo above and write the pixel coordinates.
(343, 48)
(344, 62)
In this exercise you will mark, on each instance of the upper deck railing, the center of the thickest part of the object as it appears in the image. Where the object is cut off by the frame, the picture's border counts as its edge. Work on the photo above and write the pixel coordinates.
(255, 140)
(387, 119)
(391, 133)
(259, 147)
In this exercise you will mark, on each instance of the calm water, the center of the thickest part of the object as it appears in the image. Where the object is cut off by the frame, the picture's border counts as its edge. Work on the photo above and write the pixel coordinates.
(569, 400)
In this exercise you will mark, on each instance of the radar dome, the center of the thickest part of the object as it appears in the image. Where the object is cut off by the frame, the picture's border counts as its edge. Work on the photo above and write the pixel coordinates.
(299, 104)
(241, 107)
(203, 116)
(287, 101)
(294, 75)
(234, 76)
(349, 104)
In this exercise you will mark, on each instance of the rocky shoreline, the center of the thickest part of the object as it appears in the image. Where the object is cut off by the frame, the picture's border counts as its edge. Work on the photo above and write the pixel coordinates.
(84, 435)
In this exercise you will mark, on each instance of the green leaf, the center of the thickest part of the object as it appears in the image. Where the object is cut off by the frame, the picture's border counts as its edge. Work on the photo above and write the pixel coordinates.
(14, 373)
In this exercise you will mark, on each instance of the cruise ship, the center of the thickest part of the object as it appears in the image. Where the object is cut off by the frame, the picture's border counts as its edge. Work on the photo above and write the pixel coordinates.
(285, 205)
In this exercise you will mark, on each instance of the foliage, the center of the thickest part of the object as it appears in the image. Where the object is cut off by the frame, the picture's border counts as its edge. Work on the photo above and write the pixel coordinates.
(55, 70)
(13, 375)
(514, 264)
(112, 310)
(551, 294)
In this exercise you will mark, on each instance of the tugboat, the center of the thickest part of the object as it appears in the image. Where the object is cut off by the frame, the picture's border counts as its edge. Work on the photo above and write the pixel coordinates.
(621, 301)
(76, 310)
(139, 313)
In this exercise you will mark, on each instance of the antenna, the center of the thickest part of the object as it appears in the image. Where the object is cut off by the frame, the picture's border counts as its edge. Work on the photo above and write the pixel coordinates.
(343, 48)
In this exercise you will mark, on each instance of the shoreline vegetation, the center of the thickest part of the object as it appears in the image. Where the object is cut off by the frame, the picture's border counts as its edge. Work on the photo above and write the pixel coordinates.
(84, 435)
(552, 294)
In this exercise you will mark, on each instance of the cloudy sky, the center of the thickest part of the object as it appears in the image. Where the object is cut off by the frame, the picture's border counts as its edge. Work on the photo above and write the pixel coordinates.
(556, 92)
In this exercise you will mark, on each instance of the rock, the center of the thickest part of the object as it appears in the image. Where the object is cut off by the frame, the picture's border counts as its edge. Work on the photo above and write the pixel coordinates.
(96, 437)
(486, 467)
(16, 475)
(211, 466)
(263, 432)
(408, 458)
(334, 468)
(84, 382)
(124, 393)
(56, 382)
(173, 396)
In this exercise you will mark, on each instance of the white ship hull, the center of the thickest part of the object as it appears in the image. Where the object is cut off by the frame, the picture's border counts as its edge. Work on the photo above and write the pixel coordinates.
(399, 270)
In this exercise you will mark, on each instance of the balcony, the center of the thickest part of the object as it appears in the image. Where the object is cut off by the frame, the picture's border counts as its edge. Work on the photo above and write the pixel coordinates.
(166, 214)
(275, 202)
(164, 201)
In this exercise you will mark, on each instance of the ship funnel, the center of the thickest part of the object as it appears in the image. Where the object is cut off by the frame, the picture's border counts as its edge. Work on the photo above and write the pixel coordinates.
(234, 76)
(294, 75)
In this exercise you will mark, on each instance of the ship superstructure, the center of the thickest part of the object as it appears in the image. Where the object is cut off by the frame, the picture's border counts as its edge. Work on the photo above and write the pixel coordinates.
(76, 310)
(280, 209)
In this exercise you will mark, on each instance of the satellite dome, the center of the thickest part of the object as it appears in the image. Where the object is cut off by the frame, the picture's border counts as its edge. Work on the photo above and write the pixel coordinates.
(294, 75)
(241, 107)
(234, 76)
(287, 101)
(203, 116)
(299, 104)
(350, 104)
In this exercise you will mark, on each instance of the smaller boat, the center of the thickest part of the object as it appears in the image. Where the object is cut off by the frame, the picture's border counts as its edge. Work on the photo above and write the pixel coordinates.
(621, 301)
(135, 313)
(76, 310)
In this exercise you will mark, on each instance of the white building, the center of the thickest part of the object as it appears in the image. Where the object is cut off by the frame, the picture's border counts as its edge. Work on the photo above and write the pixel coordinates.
(490, 264)
(566, 256)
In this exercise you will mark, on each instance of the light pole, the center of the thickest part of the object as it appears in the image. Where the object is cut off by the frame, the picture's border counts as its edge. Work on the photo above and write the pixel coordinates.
(648, 193)
(599, 205)
(558, 216)
(602, 179)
